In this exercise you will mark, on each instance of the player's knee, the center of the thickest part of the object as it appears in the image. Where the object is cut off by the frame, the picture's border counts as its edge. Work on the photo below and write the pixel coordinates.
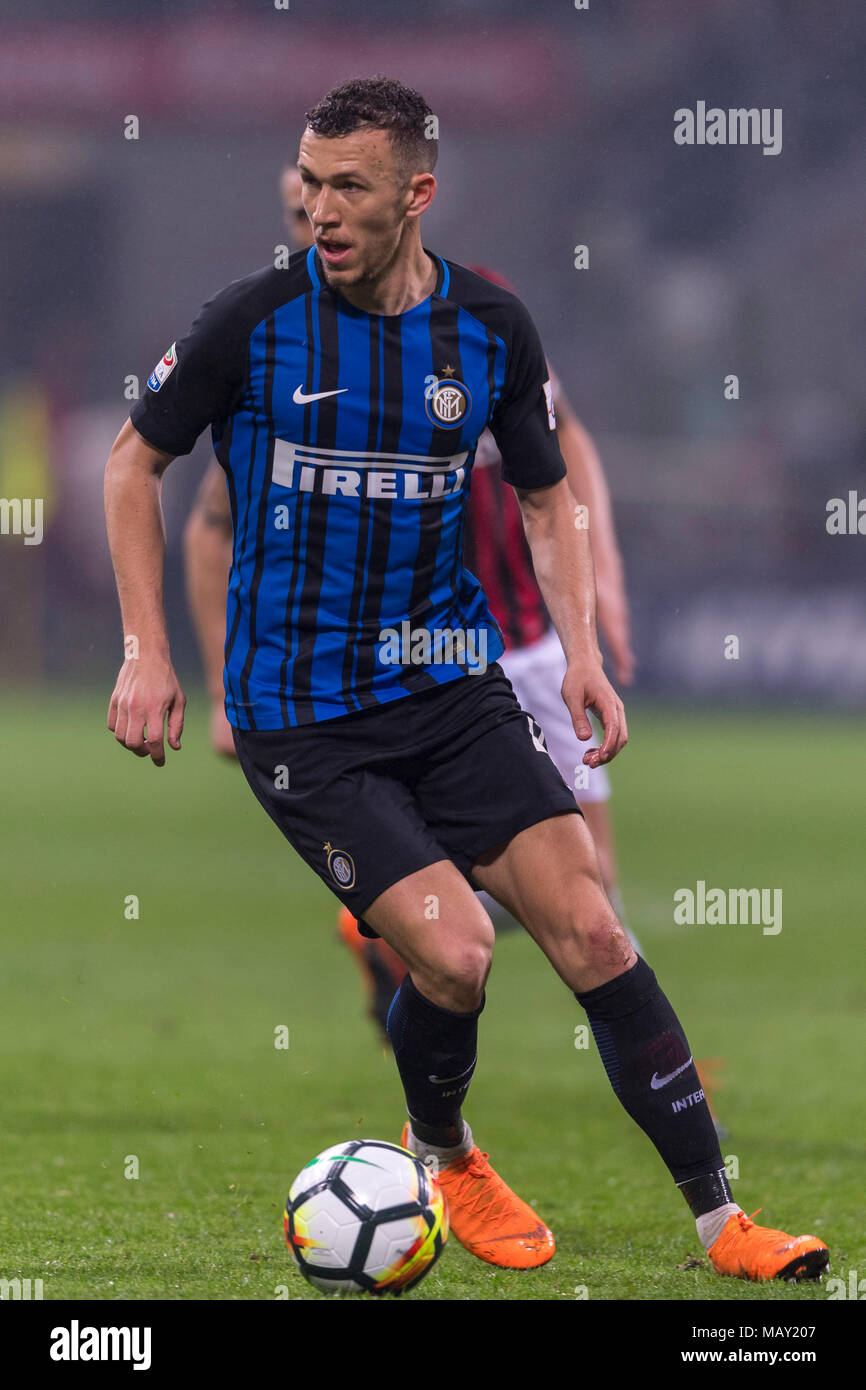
(592, 926)
(604, 944)
(456, 981)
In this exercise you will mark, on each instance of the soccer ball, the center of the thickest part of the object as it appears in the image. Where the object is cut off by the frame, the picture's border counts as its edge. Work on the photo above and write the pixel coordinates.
(365, 1217)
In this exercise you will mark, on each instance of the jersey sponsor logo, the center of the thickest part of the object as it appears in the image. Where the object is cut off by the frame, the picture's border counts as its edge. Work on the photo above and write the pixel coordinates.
(300, 399)
(548, 396)
(163, 368)
(447, 403)
(341, 866)
(360, 473)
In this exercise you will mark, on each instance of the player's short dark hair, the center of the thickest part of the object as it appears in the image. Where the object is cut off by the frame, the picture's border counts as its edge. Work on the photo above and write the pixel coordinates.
(381, 103)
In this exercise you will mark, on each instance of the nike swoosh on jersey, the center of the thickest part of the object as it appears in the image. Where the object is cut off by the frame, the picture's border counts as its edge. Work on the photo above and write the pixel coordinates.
(658, 1081)
(300, 399)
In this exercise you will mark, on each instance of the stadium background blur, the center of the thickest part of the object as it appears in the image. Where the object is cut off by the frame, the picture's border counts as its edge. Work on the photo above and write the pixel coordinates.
(556, 130)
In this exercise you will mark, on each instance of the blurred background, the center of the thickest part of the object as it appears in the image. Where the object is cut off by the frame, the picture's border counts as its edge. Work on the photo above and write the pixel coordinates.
(556, 130)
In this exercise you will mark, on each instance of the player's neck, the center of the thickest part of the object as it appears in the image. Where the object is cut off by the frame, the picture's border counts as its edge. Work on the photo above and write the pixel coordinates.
(407, 281)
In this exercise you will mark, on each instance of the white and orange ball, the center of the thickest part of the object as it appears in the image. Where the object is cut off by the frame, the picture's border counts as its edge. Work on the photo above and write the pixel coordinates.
(365, 1217)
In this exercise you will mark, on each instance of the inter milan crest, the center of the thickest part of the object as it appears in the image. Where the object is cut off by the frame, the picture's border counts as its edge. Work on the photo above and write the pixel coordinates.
(447, 401)
(341, 866)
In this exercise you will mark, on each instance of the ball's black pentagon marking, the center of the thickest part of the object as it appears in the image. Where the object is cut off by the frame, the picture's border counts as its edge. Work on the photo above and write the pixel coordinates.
(380, 1218)
(360, 1209)
(305, 1195)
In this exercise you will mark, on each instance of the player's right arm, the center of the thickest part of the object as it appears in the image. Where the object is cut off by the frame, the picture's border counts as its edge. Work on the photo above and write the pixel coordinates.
(147, 689)
(197, 383)
(207, 550)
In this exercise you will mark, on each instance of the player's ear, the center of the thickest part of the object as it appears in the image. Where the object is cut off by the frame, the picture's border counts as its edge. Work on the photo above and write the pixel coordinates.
(420, 194)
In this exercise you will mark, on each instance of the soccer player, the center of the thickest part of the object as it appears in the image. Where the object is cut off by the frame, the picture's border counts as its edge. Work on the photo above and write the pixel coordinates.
(346, 394)
(496, 551)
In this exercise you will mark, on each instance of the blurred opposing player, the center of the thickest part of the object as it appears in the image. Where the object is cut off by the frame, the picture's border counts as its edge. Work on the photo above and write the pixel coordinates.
(346, 396)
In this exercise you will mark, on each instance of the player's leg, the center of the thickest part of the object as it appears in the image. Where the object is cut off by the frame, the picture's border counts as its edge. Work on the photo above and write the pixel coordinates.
(596, 813)
(360, 829)
(536, 674)
(563, 905)
(549, 876)
(437, 926)
(436, 923)
(600, 826)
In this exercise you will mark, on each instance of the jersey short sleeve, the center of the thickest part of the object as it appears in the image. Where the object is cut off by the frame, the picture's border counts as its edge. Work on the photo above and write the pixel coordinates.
(555, 386)
(523, 422)
(197, 382)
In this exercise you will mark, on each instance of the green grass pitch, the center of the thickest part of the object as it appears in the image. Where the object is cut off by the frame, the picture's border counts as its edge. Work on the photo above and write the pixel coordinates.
(153, 1037)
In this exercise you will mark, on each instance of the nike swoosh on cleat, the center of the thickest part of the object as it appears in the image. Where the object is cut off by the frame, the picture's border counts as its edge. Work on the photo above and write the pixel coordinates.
(657, 1081)
(300, 399)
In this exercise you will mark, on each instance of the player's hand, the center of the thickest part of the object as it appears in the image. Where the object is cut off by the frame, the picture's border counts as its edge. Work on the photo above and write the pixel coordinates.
(221, 740)
(586, 687)
(613, 624)
(144, 694)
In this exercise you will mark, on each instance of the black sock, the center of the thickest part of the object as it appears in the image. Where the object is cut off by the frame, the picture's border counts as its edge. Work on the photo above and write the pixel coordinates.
(648, 1062)
(428, 1042)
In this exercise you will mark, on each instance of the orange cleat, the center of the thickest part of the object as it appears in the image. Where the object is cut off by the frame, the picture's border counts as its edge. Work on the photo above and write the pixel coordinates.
(380, 967)
(487, 1218)
(748, 1251)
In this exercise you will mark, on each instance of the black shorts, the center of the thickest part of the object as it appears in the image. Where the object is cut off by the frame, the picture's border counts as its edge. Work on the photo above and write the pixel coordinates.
(373, 796)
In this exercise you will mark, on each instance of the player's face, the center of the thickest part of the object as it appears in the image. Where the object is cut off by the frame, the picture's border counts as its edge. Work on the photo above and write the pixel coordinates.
(356, 203)
(294, 213)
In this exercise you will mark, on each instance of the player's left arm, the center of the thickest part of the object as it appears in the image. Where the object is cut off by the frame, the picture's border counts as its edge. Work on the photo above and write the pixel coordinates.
(523, 424)
(562, 560)
(587, 480)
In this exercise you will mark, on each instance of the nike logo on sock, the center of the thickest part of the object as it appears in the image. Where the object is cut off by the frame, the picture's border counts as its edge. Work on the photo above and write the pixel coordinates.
(658, 1081)
(443, 1080)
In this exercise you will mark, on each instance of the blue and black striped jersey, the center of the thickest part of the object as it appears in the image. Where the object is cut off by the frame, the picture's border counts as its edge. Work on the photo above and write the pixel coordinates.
(347, 439)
